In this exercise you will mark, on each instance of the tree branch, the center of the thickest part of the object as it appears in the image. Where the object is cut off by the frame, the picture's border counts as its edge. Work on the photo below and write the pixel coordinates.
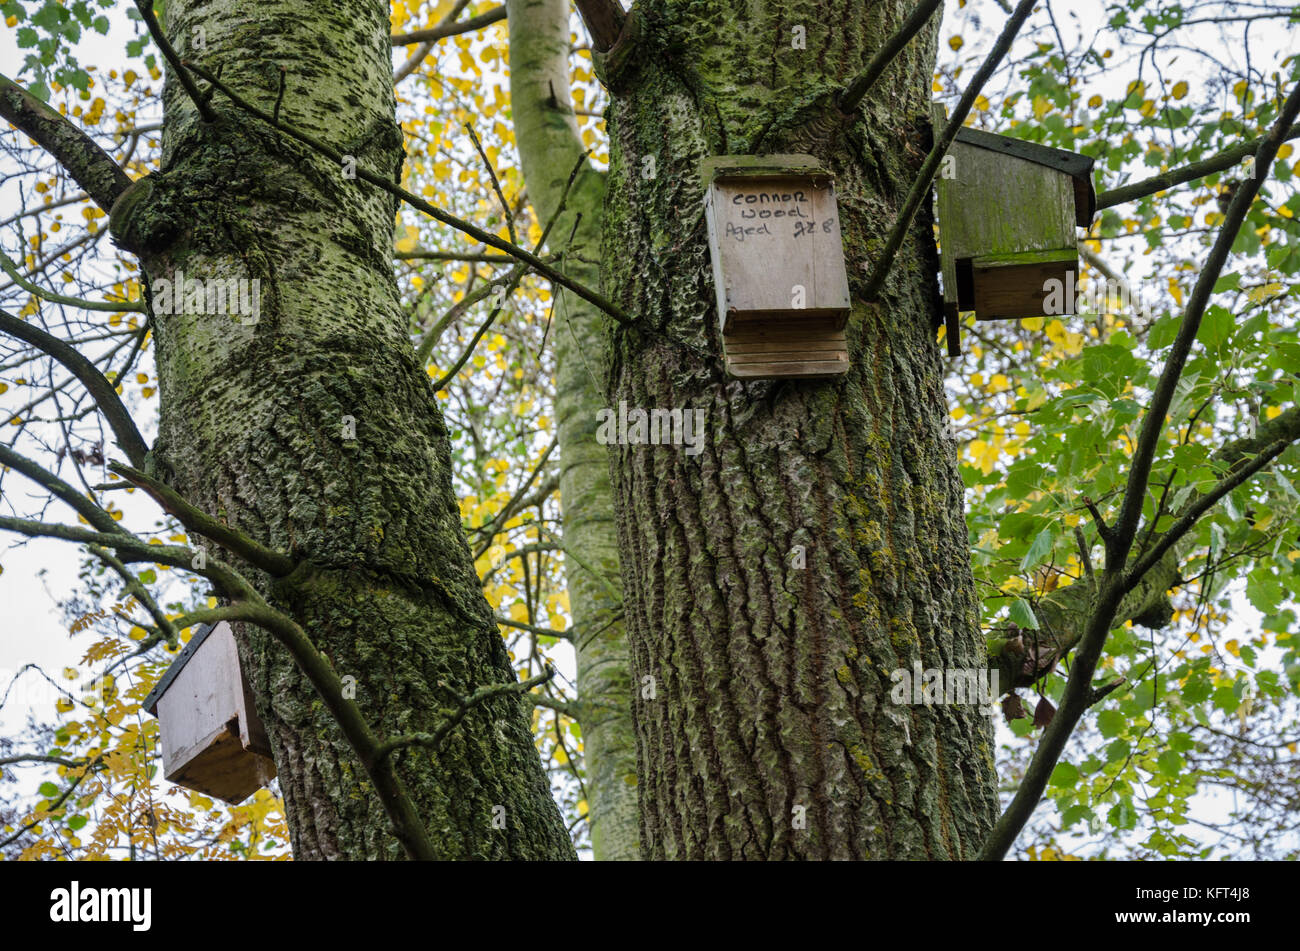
(379, 181)
(199, 522)
(450, 26)
(857, 90)
(604, 20)
(463, 706)
(925, 178)
(103, 392)
(1078, 688)
(1154, 420)
(173, 60)
(1187, 173)
(1198, 508)
(92, 168)
(166, 630)
(107, 306)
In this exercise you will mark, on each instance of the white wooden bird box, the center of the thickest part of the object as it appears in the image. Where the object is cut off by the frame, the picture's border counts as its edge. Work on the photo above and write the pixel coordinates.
(1007, 215)
(778, 265)
(212, 738)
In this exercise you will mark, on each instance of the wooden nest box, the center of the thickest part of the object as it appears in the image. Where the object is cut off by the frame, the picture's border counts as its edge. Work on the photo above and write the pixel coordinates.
(1007, 216)
(778, 266)
(212, 738)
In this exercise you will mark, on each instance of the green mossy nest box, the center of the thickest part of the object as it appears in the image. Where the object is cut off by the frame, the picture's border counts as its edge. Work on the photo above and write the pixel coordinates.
(778, 265)
(1007, 216)
(212, 738)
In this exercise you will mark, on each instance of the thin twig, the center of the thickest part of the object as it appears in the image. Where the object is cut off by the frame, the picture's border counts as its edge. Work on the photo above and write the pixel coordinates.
(925, 178)
(173, 60)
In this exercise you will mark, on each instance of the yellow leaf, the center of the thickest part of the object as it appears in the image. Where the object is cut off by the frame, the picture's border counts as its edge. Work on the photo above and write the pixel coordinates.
(1180, 89)
(955, 42)
(1176, 291)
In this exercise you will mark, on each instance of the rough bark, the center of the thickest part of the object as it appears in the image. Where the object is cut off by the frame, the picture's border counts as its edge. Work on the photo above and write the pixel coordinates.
(254, 429)
(762, 709)
(550, 149)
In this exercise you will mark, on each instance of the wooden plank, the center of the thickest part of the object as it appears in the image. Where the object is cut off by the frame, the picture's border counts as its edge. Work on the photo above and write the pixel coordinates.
(788, 356)
(225, 769)
(1012, 290)
(802, 369)
(810, 343)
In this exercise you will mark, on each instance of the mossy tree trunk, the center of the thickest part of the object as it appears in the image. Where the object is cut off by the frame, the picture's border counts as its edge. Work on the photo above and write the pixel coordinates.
(550, 150)
(314, 430)
(765, 728)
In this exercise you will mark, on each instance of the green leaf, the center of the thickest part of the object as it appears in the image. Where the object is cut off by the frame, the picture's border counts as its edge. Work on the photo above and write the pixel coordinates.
(77, 822)
(1022, 614)
(48, 790)
(1170, 763)
(1122, 815)
(148, 576)
(1111, 723)
(1041, 547)
(1065, 775)
(1163, 332)
(1216, 327)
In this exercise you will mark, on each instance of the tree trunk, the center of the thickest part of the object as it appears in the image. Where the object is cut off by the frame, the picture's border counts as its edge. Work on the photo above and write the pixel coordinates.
(550, 149)
(762, 689)
(257, 425)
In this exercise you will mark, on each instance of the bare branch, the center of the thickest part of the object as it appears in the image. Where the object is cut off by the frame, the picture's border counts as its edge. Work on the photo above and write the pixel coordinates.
(103, 392)
(450, 27)
(91, 167)
(604, 19)
(1186, 173)
(200, 523)
(1198, 508)
(454, 716)
(379, 181)
(173, 60)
